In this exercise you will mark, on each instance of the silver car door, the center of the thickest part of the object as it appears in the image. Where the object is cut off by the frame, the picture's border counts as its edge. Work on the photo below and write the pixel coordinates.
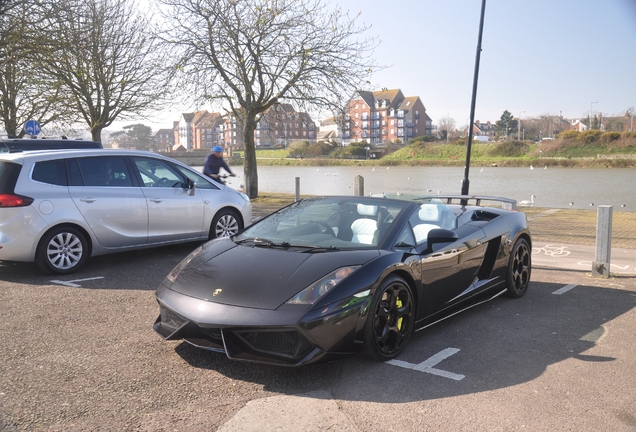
(103, 191)
(172, 213)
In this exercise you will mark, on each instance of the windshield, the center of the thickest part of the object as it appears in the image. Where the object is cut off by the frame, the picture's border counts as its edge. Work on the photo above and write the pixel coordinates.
(329, 223)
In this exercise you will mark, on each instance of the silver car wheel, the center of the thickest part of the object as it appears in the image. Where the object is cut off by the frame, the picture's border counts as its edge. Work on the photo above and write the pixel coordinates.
(226, 225)
(64, 251)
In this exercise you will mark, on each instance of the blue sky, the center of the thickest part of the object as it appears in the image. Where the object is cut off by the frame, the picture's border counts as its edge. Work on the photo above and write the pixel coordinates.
(538, 56)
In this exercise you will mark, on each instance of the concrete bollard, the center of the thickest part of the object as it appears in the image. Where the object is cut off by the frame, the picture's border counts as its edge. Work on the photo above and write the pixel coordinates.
(601, 264)
(358, 186)
(297, 189)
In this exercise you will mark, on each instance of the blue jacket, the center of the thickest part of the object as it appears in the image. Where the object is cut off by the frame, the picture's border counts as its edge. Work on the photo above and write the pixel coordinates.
(214, 164)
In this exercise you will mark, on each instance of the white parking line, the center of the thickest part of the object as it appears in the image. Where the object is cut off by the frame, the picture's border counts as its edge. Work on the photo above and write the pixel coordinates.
(564, 289)
(590, 263)
(74, 285)
(427, 365)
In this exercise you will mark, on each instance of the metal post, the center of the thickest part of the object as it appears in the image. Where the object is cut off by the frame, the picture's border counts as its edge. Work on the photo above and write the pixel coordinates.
(358, 186)
(466, 181)
(601, 264)
(297, 189)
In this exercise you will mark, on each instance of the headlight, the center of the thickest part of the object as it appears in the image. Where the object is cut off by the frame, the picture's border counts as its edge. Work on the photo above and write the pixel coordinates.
(321, 287)
(172, 276)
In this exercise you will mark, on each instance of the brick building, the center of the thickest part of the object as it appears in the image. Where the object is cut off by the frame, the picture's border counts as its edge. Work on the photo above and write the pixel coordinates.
(385, 116)
(281, 125)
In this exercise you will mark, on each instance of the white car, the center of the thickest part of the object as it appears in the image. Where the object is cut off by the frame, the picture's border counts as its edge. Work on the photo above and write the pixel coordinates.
(58, 207)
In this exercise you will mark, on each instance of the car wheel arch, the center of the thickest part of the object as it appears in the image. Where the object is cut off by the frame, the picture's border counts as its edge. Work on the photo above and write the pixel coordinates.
(219, 213)
(382, 336)
(85, 233)
(401, 273)
(71, 233)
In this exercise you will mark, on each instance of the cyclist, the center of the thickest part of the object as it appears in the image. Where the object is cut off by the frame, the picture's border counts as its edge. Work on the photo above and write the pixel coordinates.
(214, 163)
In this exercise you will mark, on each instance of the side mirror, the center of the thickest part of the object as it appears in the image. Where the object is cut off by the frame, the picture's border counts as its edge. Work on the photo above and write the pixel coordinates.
(440, 235)
(191, 185)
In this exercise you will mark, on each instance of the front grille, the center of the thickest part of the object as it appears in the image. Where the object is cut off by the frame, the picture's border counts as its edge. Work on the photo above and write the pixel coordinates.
(213, 334)
(288, 343)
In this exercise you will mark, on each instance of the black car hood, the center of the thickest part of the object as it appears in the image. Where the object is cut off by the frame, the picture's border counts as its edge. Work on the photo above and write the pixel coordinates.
(260, 277)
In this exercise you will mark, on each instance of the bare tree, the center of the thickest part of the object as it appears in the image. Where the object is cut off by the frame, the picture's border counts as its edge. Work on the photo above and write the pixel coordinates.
(249, 55)
(103, 54)
(7, 6)
(446, 127)
(25, 93)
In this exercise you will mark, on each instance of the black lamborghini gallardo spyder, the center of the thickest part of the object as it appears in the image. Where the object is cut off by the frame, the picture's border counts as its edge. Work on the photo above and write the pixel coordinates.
(329, 276)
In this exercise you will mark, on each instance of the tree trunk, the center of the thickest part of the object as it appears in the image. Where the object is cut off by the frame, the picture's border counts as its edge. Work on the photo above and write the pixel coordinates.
(249, 170)
(96, 133)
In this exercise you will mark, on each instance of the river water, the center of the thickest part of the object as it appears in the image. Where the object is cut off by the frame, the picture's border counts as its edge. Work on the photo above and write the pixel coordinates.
(579, 188)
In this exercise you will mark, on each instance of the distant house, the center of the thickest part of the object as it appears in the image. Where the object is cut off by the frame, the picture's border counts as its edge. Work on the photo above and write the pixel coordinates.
(480, 129)
(208, 131)
(385, 116)
(330, 129)
(163, 139)
(281, 125)
(199, 130)
(578, 125)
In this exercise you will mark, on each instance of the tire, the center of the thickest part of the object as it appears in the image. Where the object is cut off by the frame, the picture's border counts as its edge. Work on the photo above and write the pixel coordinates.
(225, 223)
(62, 250)
(519, 269)
(390, 322)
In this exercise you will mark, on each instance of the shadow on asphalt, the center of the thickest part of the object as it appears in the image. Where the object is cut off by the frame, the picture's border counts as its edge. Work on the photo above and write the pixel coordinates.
(501, 344)
(140, 270)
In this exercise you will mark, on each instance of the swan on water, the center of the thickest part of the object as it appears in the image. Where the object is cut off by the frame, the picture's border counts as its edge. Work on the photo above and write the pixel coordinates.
(526, 202)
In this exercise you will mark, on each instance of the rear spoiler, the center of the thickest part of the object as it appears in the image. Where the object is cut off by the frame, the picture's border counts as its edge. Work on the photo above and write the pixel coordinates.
(506, 203)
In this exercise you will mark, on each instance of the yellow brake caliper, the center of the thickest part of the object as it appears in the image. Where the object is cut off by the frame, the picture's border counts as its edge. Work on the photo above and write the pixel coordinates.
(398, 304)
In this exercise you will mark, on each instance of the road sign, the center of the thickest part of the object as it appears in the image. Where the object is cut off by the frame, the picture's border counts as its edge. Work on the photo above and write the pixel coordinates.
(32, 127)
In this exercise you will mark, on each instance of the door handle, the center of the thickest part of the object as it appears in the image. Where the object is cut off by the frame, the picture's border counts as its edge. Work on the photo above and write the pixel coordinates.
(88, 200)
(156, 200)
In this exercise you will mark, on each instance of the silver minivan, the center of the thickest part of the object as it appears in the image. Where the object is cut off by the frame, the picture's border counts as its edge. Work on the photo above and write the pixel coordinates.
(58, 207)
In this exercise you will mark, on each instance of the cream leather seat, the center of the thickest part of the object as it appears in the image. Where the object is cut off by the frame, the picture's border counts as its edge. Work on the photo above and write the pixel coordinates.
(429, 215)
(365, 228)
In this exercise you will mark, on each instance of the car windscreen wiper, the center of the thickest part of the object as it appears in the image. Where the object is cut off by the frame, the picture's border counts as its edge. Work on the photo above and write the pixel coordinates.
(257, 241)
(262, 242)
(310, 249)
(285, 244)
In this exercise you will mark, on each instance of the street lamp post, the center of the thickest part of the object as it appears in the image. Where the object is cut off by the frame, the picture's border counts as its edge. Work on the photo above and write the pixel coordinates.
(591, 103)
(519, 125)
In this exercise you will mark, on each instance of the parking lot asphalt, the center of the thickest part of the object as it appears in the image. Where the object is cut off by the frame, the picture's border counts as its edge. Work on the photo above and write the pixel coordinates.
(78, 353)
